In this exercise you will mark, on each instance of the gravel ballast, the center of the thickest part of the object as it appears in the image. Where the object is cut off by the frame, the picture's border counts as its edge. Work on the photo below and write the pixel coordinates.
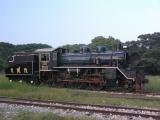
(9, 111)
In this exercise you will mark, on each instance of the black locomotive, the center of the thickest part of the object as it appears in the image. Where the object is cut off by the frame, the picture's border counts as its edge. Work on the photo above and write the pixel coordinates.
(99, 69)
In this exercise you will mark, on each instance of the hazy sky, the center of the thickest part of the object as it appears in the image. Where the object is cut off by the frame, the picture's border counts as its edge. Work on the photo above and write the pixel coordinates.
(59, 22)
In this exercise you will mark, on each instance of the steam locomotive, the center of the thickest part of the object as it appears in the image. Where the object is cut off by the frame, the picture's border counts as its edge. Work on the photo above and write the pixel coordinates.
(86, 69)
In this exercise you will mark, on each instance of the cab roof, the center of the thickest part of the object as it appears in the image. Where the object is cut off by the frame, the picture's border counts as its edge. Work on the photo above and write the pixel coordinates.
(44, 50)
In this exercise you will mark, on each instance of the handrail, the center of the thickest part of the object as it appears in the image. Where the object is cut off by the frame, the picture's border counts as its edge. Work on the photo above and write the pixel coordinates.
(124, 74)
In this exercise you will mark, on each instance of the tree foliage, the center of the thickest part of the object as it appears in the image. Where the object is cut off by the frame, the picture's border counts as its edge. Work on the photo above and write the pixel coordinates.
(73, 48)
(110, 43)
(147, 49)
(151, 60)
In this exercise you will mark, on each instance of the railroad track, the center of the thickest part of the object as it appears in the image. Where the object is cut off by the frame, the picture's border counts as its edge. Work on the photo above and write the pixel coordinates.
(105, 110)
(128, 95)
(144, 96)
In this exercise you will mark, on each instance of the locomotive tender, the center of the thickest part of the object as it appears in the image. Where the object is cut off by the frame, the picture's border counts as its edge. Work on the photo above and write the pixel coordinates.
(98, 69)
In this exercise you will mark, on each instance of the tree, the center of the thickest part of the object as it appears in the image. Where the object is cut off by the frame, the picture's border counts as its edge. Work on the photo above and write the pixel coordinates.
(31, 47)
(150, 40)
(110, 43)
(146, 52)
(73, 48)
(151, 60)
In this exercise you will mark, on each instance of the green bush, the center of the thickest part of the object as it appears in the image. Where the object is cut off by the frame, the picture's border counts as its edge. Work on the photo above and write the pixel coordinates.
(153, 84)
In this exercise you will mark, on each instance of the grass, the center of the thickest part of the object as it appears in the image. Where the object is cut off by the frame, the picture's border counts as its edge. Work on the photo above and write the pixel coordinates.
(41, 116)
(23, 90)
(154, 84)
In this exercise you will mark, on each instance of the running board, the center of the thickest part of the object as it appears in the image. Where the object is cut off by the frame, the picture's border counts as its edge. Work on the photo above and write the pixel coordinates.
(77, 67)
(85, 67)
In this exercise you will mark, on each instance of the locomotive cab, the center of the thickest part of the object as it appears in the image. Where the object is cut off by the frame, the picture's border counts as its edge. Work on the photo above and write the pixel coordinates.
(49, 58)
(46, 60)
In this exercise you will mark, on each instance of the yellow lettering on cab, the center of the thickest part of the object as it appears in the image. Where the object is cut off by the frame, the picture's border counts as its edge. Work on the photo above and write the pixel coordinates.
(25, 70)
(18, 70)
(12, 70)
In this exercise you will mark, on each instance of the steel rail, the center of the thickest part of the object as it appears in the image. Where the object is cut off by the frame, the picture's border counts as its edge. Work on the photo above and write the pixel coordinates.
(67, 106)
(79, 104)
(127, 95)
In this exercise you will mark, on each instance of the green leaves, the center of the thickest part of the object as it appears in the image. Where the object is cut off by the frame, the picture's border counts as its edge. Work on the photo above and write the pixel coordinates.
(148, 48)
(151, 60)
(110, 42)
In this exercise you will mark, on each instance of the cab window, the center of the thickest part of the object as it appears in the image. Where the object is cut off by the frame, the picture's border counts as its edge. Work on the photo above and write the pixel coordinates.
(45, 57)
